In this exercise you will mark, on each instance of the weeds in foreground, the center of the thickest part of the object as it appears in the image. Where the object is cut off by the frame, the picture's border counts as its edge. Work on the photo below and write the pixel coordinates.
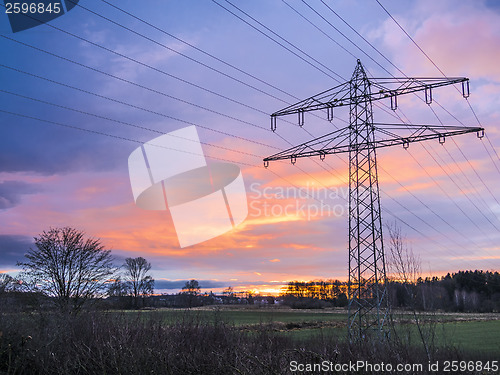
(125, 343)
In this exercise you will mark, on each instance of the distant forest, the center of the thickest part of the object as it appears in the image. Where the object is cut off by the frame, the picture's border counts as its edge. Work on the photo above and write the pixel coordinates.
(467, 291)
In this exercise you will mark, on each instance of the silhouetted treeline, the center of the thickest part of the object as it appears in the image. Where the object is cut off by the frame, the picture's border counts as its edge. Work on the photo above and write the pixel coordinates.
(315, 294)
(469, 291)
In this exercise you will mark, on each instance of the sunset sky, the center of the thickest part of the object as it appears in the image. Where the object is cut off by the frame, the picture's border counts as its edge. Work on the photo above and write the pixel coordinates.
(80, 93)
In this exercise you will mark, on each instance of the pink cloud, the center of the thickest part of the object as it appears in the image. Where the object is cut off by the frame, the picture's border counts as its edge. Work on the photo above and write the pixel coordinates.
(457, 35)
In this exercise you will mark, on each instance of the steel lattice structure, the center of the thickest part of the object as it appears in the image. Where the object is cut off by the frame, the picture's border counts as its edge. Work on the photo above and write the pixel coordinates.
(368, 305)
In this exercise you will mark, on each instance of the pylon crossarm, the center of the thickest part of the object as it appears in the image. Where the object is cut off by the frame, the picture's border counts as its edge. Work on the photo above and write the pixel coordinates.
(337, 96)
(419, 133)
(381, 88)
(328, 141)
(389, 130)
(387, 87)
(386, 135)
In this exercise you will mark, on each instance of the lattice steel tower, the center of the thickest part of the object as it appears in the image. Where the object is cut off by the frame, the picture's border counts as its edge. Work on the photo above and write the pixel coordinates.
(366, 248)
(368, 305)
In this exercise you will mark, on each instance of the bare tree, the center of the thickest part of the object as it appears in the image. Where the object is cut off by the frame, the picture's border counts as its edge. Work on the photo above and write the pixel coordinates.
(139, 283)
(192, 287)
(229, 291)
(404, 268)
(68, 267)
(191, 290)
(402, 263)
(118, 288)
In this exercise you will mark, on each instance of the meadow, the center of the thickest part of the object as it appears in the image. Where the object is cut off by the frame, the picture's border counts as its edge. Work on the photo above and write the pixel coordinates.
(467, 332)
(228, 340)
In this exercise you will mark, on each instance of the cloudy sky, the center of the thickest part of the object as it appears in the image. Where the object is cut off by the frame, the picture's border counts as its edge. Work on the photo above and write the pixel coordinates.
(82, 92)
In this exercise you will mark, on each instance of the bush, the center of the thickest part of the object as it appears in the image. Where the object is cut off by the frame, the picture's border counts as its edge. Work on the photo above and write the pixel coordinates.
(305, 303)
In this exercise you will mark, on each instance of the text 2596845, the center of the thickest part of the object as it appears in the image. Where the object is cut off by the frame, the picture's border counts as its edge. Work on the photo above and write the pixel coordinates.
(33, 8)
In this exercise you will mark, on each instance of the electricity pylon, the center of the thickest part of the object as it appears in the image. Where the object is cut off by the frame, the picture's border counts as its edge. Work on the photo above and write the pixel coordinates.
(368, 307)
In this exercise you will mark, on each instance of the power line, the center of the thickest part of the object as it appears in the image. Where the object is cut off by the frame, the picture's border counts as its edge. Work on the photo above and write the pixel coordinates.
(74, 127)
(422, 234)
(277, 42)
(161, 146)
(413, 40)
(175, 51)
(439, 69)
(470, 183)
(205, 53)
(388, 211)
(446, 193)
(343, 20)
(448, 112)
(351, 54)
(464, 192)
(494, 150)
(349, 38)
(119, 77)
(136, 84)
(137, 141)
(261, 32)
(268, 28)
(444, 190)
(362, 37)
(156, 70)
(124, 123)
(136, 107)
(118, 137)
(430, 209)
(153, 68)
(477, 174)
(199, 49)
(163, 31)
(161, 71)
(440, 165)
(345, 36)
(183, 55)
(320, 30)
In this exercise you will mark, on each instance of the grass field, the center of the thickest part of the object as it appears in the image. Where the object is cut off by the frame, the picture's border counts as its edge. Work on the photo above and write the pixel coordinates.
(481, 335)
(469, 332)
(226, 340)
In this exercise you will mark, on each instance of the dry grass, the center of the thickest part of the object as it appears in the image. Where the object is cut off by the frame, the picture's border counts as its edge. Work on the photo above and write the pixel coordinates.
(125, 343)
